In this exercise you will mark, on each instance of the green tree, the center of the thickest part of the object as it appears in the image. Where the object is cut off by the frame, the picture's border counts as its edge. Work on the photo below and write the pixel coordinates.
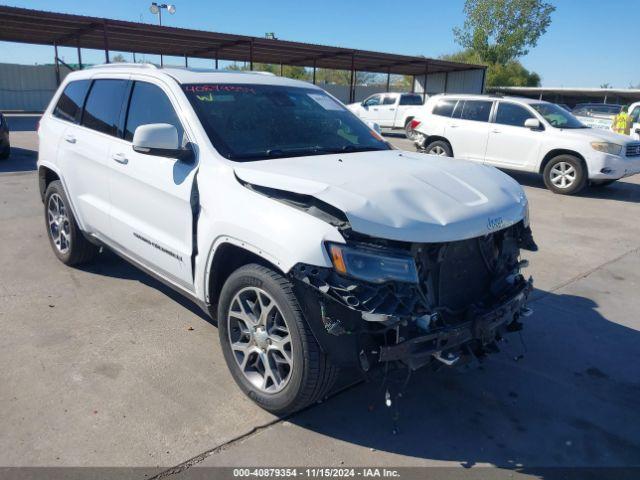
(510, 74)
(119, 58)
(503, 30)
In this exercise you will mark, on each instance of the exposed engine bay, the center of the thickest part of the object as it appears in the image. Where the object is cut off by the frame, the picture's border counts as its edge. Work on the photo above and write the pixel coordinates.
(468, 293)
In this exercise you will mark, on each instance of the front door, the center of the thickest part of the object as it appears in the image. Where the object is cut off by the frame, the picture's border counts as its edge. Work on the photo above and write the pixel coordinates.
(151, 212)
(511, 144)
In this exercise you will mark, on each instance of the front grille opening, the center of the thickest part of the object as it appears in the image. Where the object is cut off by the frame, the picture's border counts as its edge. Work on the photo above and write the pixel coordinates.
(464, 277)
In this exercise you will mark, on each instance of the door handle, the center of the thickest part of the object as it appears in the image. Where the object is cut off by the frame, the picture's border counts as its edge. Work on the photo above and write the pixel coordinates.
(70, 138)
(120, 158)
(454, 126)
(496, 131)
(392, 109)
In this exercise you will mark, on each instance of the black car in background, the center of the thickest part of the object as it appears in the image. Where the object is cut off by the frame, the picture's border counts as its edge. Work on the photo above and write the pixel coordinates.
(5, 146)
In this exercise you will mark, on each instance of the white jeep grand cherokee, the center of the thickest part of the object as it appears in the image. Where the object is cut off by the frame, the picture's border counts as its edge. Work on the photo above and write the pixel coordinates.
(528, 135)
(312, 242)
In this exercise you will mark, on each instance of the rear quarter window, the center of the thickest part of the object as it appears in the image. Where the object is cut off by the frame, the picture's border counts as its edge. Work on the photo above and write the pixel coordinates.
(70, 103)
(444, 108)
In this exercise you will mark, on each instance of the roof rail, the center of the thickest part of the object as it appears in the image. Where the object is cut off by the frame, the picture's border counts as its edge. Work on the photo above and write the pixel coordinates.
(125, 64)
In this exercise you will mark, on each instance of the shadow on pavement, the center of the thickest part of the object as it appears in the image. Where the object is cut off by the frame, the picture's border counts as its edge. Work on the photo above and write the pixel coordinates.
(571, 401)
(20, 160)
(111, 265)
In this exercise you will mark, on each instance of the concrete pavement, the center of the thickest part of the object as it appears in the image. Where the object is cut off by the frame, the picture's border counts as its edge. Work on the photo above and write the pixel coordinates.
(103, 366)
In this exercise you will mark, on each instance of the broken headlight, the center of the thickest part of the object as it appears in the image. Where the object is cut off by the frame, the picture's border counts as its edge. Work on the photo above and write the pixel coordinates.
(372, 266)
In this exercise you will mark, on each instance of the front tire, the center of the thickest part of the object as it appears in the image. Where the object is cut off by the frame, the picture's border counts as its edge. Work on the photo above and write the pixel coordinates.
(66, 239)
(267, 345)
(565, 174)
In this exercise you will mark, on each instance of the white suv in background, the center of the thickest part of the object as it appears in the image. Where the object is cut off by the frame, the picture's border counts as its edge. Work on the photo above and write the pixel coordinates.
(528, 135)
(310, 240)
(389, 110)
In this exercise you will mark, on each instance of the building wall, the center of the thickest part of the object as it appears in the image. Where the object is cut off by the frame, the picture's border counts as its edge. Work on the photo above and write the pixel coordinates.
(465, 81)
(27, 87)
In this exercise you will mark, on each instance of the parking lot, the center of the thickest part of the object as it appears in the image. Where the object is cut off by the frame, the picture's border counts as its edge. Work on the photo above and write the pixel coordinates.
(105, 366)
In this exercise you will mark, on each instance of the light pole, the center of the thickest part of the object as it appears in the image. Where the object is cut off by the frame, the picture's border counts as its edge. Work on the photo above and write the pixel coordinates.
(156, 9)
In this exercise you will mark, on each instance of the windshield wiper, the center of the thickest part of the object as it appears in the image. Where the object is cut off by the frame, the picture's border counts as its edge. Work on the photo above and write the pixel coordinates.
(300, 152)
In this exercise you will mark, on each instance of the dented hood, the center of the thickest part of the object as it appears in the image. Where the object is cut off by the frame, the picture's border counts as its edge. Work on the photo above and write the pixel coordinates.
(400, 195)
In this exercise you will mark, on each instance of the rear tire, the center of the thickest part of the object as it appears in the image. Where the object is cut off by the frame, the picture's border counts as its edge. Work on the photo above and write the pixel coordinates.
(408, 131)
(66, 239)
(439, 148)
(260, 323)
(565, 174)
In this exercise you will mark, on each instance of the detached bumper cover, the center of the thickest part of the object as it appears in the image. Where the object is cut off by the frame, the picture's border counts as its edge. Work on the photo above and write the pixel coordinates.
(484, 328)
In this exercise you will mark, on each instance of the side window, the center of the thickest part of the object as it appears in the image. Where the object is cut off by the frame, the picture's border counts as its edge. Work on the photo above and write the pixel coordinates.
(411, 100)
(476, 110)
(635, 114)
(512, 114)
(444, 107)
(102, 110)
(389, 100)
(373, 100)
(149, 104)
(69, 104)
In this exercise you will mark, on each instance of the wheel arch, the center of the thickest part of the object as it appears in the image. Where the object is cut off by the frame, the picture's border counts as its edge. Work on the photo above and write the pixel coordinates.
(561, 151)
(46, 175)
(225, 258)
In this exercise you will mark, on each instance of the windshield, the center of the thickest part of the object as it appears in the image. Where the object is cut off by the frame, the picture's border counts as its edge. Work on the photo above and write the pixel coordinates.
(255, 122)
(557, 116)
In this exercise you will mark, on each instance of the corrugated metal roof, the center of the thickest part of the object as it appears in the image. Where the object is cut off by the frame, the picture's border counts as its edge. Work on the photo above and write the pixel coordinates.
(49, 28)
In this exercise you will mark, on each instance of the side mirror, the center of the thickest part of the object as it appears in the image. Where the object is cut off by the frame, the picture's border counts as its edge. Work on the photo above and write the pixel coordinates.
(160, 139)
(532, 123)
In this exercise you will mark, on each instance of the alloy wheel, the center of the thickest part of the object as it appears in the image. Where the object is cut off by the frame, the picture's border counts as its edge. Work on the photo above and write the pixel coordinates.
(260, 339)
(563, 175)
(59, 226)
(438, 150)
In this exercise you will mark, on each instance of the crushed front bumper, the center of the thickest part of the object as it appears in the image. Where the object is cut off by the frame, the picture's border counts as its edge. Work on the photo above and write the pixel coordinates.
(481, 330)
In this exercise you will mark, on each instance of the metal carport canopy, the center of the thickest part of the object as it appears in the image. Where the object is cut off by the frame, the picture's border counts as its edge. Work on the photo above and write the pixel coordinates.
(59, 29)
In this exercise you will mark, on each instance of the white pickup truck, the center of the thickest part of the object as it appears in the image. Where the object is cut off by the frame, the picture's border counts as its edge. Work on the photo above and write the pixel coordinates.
(389, 110)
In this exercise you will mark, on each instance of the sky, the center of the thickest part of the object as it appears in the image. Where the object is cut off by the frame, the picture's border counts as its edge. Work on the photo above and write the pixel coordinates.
(589, 42)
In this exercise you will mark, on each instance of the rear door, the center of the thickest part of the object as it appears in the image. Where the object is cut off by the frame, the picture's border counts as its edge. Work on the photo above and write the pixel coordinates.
(151, 211)
(468, 129)
(84, 149)
(511, 144)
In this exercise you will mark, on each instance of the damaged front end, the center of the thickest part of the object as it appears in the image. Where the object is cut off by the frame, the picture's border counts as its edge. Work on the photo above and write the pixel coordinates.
(438, 303)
